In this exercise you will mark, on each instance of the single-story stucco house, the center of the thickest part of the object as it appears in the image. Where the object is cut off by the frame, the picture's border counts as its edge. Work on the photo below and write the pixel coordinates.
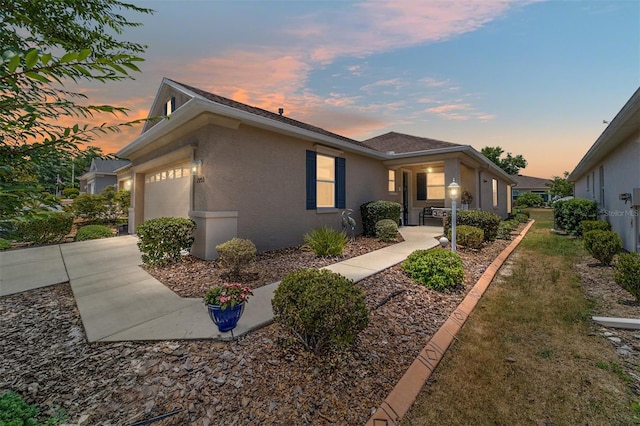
(609, 173)
(535, 185)
(242, 171)
(102, 173)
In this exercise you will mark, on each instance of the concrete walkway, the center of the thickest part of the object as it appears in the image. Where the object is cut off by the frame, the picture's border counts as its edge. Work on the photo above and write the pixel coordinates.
(119, 301)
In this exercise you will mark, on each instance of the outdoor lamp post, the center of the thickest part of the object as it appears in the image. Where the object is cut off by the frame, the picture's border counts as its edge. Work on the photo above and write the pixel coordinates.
(453, 194)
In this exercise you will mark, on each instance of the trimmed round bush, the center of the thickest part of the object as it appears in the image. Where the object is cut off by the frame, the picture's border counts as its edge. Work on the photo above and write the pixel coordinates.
(326, 241)
(374, 211)
(236, 254)
(320, 308)
(162, 240)
(602, 245)
(568, 214)
(70, 192)
(4, 244)
(627, 273)
(89, 206)
(438, 269)
(93, 232)
(505, 228)
(590, 225)
(487, 221)
(44, 228)
(522, 218)
(529, 199)
(386, 230)
(468, 236)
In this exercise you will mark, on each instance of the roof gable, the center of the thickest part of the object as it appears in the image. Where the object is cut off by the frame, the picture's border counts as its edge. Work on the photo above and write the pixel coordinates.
(531, 182)
(221, 100)
(402, 143)
(104, 165)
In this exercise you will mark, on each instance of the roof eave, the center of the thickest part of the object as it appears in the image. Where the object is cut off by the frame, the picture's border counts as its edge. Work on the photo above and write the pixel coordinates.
(199, 105)
(610, 137)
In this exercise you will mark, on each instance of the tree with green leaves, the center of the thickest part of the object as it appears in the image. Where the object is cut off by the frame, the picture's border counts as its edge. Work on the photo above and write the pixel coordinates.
(46, 47)
(560, 187)
(509, 163)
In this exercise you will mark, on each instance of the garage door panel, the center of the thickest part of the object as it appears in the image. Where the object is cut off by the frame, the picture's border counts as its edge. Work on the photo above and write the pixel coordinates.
(167, 196)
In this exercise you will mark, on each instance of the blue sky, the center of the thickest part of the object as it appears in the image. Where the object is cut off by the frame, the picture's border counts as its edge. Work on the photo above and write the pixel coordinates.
(534, 77)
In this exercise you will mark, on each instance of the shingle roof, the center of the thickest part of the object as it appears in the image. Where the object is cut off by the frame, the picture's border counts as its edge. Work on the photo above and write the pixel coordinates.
(401, 143)
(264, 113)
(531, 182)
(102, 165)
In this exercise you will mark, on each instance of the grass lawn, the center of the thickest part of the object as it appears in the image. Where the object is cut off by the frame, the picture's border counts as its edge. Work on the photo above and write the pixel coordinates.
(529, 354)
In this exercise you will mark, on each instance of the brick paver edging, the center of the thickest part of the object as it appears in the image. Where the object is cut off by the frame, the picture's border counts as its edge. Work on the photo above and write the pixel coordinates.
(400, 399)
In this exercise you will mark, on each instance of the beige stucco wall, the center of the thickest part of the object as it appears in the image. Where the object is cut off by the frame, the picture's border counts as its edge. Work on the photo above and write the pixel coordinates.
(485, 178)
(621, 175)
(262, 176)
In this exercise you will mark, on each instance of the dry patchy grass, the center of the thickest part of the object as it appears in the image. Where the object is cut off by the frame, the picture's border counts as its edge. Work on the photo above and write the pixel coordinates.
(528, 354)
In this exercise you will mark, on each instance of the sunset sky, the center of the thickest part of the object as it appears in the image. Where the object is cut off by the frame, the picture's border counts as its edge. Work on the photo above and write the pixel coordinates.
(535, 77)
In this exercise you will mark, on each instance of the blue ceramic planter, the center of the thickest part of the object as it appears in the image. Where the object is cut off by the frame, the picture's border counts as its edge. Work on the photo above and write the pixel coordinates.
(226, 319)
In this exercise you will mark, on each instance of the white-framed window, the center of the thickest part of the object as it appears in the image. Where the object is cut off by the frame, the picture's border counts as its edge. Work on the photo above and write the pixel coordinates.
(325, 181)
(392, 181)
(170, 106)
(435, 186)
(494, 188)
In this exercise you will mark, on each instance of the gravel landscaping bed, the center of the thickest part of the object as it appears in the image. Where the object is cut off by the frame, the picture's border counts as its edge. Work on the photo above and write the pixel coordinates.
(263, 378)
(613, 301)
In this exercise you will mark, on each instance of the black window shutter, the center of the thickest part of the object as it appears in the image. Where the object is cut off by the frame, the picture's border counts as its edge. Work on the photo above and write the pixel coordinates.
(341, 184)
(164, 109)
(311, 180)
(422, 186)
(173, 104)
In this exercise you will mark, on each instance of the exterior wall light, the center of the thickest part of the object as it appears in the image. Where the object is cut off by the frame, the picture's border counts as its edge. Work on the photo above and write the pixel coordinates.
(454, 191)
(196, 168)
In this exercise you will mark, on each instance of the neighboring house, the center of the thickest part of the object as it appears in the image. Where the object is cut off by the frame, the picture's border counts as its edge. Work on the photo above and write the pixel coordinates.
(101, 174)
(241, 171)
(609, 173)
(531, 184)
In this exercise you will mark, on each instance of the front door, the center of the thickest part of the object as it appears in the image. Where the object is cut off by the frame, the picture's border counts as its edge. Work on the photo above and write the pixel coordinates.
(405, 198)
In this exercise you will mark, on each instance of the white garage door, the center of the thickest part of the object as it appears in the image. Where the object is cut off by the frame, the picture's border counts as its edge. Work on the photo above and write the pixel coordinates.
(166, 192)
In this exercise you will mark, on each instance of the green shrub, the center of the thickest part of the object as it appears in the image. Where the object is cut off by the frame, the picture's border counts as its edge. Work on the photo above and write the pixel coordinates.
(4, 244)
(320, 308)
(438, 269)
(521, 218)
(44, 228)
(468, 236)
(161, 240)
(235, 255)
(89, 206)
(326, 241)
(487, 221)
(374, 211)
(14, 411)
(590, 225)
(505, 228)
(627, 273)
(602, 245)
(93, 232)
(529, 199)
(525, 212)
(70, 192)
(568, 214)
(386, 230)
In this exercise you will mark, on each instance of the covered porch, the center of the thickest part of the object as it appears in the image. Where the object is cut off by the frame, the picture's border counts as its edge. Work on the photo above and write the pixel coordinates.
(420, 186)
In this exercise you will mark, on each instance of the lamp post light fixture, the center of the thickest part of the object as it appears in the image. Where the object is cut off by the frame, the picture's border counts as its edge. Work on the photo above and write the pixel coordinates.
(454, 189)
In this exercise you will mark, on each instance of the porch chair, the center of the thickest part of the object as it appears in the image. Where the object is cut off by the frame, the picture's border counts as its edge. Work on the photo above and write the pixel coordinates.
(426, 213)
